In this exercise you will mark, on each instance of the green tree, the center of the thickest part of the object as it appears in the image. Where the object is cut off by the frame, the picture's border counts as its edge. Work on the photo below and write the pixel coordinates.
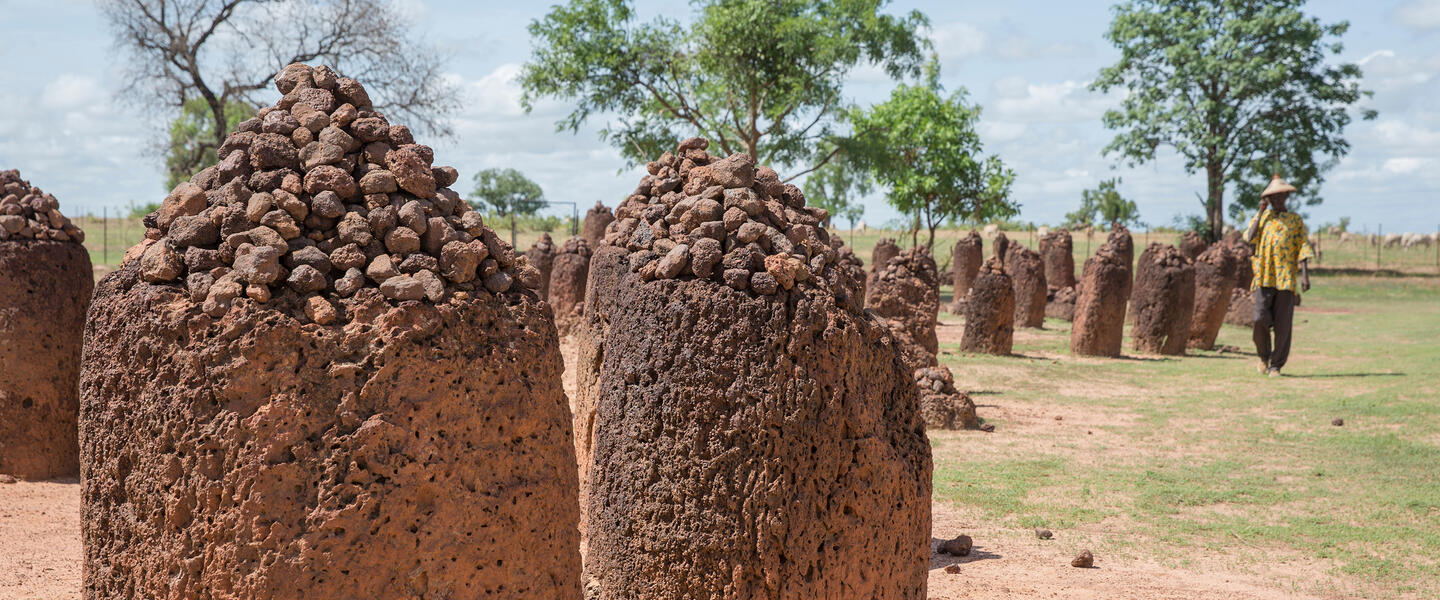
(192, 138)
(1234, 87)
(922, 146)
(763, 77)
(1106, 202)
(838, 187)
(507, 192)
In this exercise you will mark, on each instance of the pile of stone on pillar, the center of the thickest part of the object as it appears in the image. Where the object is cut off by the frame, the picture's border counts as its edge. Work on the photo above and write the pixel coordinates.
(751, 426)
(906, 293)
(45, 285)
(322, 373)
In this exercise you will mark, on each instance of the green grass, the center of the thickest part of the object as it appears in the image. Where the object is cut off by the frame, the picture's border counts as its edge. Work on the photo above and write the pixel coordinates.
(1201, 453)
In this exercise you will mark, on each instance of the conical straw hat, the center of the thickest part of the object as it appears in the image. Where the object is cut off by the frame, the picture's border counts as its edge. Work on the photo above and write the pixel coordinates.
(1277, 186)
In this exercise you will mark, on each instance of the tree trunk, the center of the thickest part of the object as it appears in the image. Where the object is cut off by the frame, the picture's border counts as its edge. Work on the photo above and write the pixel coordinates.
(1215, 201)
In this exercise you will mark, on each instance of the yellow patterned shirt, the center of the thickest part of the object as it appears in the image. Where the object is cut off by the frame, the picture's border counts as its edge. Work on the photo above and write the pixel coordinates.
(1280, 244)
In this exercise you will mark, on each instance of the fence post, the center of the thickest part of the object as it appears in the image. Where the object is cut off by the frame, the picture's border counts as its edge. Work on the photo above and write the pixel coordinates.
(1379, 246)
(105, 235)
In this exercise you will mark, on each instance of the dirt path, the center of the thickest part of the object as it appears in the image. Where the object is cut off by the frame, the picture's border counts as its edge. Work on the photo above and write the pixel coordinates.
(40, 540)
(1015, 564)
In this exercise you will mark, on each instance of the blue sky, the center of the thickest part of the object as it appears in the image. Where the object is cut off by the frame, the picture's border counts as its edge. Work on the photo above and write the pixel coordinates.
(1027, 63)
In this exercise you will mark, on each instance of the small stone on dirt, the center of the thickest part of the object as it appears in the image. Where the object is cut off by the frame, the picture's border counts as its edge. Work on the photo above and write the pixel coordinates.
(987, 427)
(8, 479)
(952, 569)
(1338, 422)
(960, 546)
(1083, 560)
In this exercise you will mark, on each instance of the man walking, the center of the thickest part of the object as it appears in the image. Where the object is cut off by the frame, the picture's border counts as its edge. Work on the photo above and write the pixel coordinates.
(1282, 248)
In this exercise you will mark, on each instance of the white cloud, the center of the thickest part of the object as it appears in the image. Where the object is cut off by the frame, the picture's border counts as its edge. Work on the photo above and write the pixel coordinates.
(1068, 101)
(69, 91)
(1021, 47)
(955, 42)
(494, 131)
(1423, 15)
(1403, 165)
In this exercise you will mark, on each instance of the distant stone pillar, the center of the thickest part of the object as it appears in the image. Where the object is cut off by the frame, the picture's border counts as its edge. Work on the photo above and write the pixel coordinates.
(45, 289)
(990, 312)
(568, 276)
(905, 292)
(1163, 300)
(884, 250)
(1192, 245)
(1103, 292)
(1214, 279)
(542, 257)
(597, 219)
(1058, 251)
(1027, 274)
(965, 263)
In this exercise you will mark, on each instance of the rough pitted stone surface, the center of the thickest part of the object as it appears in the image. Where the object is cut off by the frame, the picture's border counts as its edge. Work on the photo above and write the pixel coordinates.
(1061, 304)
(1192, 245)
(1244, 270)
(943, 406)
(1057, 249)
(1101, 299)
(542, 257)
(1123, 244)
(1214, 279)
(905, 293)
(422, 450)
(744, 443)
(1027, 274)
(597, 219)
(44, 291)
(1241, 311)
(965, 265)
(990, 312)
(884, 250)
(846, 258)
(352, 187)
(568, 275)
(28, 213)
(1163, 302)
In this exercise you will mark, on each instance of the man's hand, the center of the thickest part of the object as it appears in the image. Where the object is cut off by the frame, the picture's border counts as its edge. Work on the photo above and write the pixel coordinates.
(1304, 275)
(1264, 204)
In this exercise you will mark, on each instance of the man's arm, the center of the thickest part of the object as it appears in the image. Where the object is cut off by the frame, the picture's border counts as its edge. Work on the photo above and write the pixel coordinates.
(1306, 253)
(1254, 227)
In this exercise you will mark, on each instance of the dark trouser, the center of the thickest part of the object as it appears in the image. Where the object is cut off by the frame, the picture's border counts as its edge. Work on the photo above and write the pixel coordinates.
(1273, 308)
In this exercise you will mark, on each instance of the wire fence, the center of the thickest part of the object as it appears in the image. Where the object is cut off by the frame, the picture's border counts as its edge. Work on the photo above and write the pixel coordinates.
(107, 237)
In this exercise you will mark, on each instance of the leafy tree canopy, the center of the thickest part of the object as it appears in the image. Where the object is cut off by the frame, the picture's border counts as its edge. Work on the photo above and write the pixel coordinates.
(192, 136)
(1105, 202)
(506, 191)
(758, 76)
(921, 144)
(1235, 87)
